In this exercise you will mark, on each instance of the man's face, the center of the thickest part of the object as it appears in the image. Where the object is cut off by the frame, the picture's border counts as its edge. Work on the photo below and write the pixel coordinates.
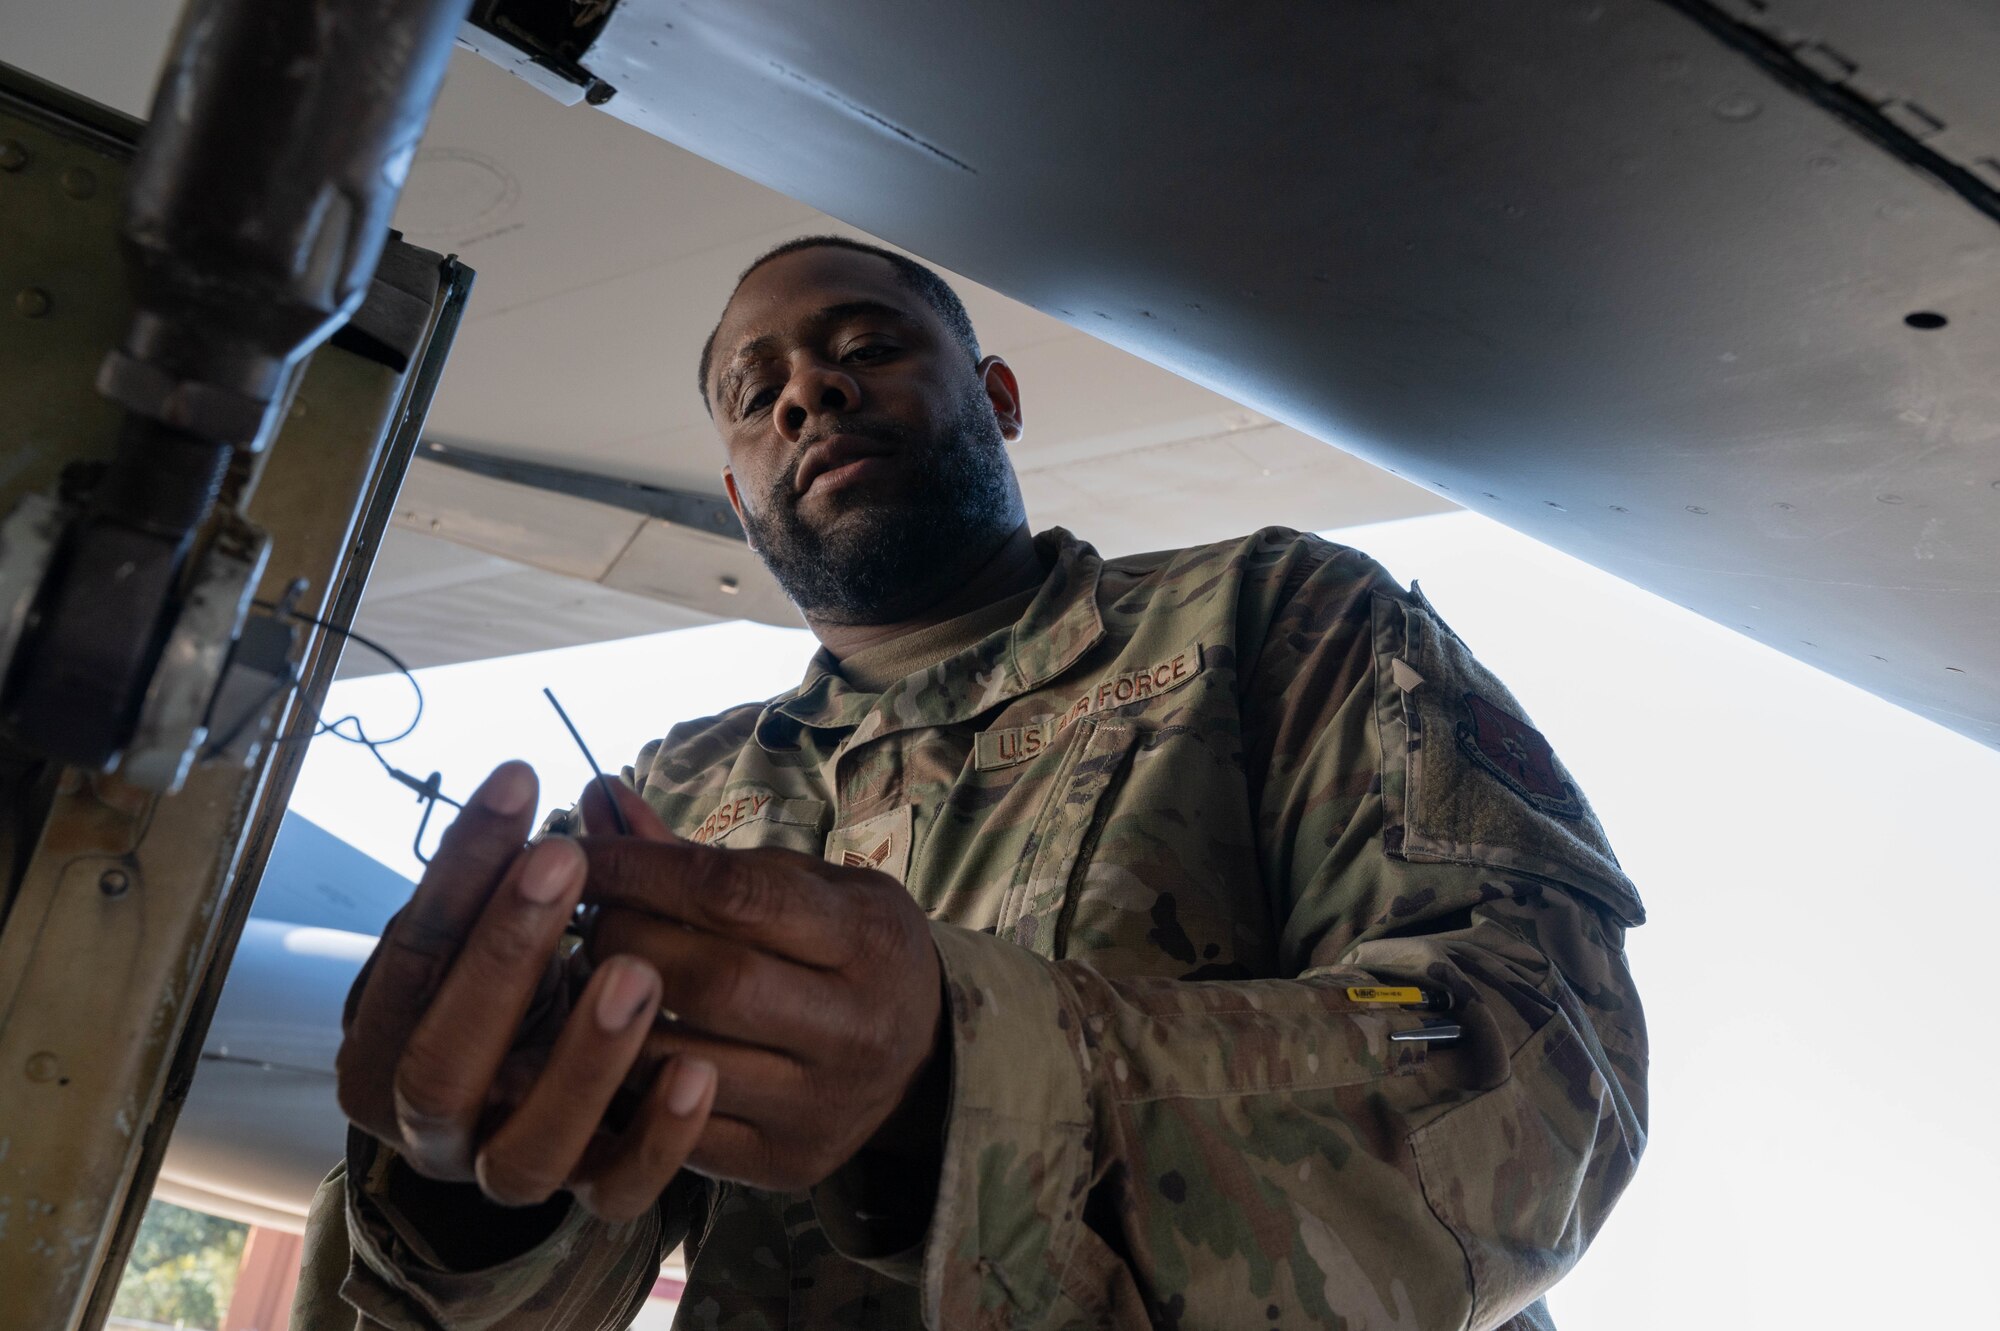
(867, 453)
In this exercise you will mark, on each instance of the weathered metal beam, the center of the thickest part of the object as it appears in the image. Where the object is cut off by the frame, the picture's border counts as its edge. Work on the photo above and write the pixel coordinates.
(124, 916)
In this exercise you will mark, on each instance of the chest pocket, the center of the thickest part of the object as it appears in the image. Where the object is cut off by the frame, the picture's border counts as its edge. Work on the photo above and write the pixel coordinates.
(1039, 902)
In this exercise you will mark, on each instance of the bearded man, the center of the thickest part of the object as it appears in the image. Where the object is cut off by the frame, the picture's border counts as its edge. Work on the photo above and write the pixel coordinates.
(1196, 939)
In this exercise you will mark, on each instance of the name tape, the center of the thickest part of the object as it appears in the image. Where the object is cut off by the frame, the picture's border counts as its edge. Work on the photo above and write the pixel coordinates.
(731, 814)
(1017, 744)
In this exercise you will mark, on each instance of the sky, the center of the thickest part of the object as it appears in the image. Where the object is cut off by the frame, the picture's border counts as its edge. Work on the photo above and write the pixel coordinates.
(1822, 904)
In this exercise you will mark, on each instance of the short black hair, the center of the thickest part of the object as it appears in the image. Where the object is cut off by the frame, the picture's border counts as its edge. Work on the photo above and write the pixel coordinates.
(935, 291)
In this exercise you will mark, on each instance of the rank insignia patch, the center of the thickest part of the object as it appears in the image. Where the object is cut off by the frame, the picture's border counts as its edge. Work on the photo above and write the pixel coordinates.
(1516, 753)
(872, 859)
(881, 842)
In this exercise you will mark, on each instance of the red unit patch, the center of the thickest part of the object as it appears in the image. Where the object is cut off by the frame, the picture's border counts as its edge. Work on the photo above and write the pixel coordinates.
(1516, 753)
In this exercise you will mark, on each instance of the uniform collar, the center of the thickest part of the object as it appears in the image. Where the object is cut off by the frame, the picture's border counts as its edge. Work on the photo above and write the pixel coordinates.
(1052, 634)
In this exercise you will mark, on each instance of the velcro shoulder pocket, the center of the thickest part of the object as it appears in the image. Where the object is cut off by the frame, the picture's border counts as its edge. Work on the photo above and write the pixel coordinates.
(1466, 778)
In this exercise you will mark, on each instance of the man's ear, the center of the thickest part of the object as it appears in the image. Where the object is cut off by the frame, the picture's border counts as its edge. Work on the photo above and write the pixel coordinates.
(736, 502)
(1003, 390)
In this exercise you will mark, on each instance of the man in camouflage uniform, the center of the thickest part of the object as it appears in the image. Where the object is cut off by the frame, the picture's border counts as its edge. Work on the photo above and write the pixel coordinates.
(1079, 945)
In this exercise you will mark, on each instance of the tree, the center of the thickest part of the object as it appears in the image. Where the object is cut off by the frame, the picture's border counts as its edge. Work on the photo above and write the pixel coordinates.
(183, 1268)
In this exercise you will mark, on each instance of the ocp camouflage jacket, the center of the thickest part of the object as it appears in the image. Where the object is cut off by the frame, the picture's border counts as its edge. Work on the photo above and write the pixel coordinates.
(1166, 826)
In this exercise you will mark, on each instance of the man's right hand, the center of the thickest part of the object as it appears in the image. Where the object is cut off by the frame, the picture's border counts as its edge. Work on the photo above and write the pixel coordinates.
(435, 1044)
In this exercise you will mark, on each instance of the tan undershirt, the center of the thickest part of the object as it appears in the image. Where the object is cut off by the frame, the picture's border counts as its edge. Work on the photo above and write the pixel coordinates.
(873, 669)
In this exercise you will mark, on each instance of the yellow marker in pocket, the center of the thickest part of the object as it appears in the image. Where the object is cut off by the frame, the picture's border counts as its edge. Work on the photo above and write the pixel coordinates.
(1402, 995)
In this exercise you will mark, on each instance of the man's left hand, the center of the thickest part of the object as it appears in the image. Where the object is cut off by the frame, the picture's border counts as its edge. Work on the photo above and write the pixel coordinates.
(814, 989)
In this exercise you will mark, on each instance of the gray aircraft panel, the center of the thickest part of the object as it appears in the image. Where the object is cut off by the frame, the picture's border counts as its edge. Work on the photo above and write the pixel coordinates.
(1584, 266)
(314, 879)
(261, 1126)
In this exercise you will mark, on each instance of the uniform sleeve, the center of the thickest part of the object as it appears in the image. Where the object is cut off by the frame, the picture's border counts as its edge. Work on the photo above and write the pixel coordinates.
(1140, 1152)
(370, 1267)
(374, 1235)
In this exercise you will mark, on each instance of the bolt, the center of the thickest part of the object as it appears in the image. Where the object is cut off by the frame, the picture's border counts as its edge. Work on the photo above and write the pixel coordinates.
(13, 155)
(31, 302)
(79, 182)
(114, 883)
(44, 1067)
(1697, 510)
(728, 585)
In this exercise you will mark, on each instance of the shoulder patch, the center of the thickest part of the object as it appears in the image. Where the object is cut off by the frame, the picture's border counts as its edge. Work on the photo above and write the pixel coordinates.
(1466, 777)
(1516, 753)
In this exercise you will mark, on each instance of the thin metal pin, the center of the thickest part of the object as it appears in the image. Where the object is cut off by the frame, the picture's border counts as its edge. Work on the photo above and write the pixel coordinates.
(603, 781)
